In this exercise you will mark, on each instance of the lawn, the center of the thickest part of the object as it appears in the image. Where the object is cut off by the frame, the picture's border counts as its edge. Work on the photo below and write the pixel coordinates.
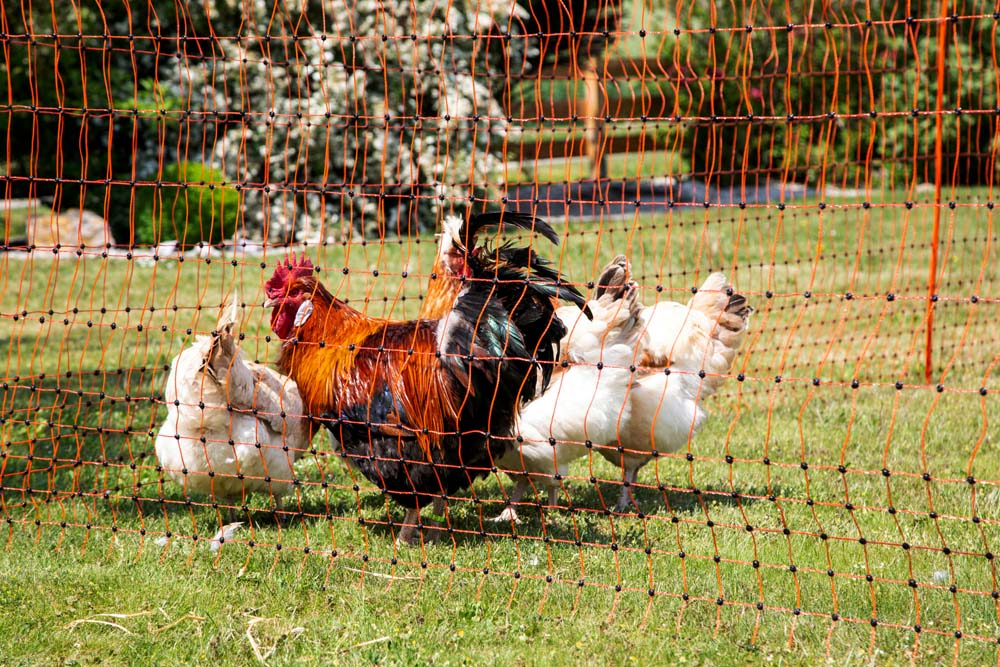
(643, 161)
(838, 564)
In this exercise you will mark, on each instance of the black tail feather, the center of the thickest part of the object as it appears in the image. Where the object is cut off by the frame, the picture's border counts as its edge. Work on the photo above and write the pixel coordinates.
(479, 221)
(544, 279)
(526, 258)
(508, 307)
(527, 286)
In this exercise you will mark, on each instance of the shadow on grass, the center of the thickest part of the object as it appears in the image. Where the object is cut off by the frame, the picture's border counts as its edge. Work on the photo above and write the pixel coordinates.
(584, 513)
(117, 494)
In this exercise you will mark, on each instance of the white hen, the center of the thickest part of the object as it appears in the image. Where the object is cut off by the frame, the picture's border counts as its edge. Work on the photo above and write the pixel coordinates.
(584, 403)
(697, 344)
(224, 454)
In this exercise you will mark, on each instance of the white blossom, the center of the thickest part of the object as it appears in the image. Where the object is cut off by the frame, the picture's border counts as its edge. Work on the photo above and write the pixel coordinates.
(345, 133)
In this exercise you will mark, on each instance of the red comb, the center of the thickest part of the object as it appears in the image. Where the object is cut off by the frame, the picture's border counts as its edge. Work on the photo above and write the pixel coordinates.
(301, 268)
(289, 270)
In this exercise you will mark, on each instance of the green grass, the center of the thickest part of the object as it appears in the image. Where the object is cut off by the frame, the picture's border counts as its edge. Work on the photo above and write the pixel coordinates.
(526, 169)
(514, 597)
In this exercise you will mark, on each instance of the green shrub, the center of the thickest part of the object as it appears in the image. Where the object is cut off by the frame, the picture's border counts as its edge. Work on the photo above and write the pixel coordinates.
(195, 203)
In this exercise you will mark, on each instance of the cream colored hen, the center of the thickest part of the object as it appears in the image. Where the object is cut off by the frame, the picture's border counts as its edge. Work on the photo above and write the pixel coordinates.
(686, 352)
(233, 426)
(695, 345)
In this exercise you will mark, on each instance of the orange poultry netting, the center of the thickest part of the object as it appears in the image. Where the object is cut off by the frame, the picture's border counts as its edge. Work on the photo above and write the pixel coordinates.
(827, 462)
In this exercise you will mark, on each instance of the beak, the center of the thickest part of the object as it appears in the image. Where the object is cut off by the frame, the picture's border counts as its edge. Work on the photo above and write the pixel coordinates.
(270, 303)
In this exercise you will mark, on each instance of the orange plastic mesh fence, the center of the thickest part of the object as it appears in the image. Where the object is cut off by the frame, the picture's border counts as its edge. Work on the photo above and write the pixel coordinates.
(835, 162)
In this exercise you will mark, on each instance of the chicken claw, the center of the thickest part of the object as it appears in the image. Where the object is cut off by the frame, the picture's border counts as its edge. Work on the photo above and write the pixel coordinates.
(506, 516)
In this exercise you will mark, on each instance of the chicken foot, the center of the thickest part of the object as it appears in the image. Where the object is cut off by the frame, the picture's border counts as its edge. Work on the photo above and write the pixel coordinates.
(408, 533)
(626, 498)
(522, 486)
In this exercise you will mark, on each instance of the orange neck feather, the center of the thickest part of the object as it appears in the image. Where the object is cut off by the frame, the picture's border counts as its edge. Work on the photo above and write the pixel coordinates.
(323, 356)
(441, 292)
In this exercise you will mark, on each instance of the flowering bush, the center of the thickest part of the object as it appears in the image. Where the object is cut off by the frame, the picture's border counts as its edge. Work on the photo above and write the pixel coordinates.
(377, 122)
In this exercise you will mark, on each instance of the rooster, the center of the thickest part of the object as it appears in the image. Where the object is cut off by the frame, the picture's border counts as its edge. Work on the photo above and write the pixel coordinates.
(689, 350)
(423, 407)
(233, 427)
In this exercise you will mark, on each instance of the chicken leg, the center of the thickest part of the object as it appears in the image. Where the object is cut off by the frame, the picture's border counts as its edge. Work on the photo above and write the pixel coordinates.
(509, 513)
